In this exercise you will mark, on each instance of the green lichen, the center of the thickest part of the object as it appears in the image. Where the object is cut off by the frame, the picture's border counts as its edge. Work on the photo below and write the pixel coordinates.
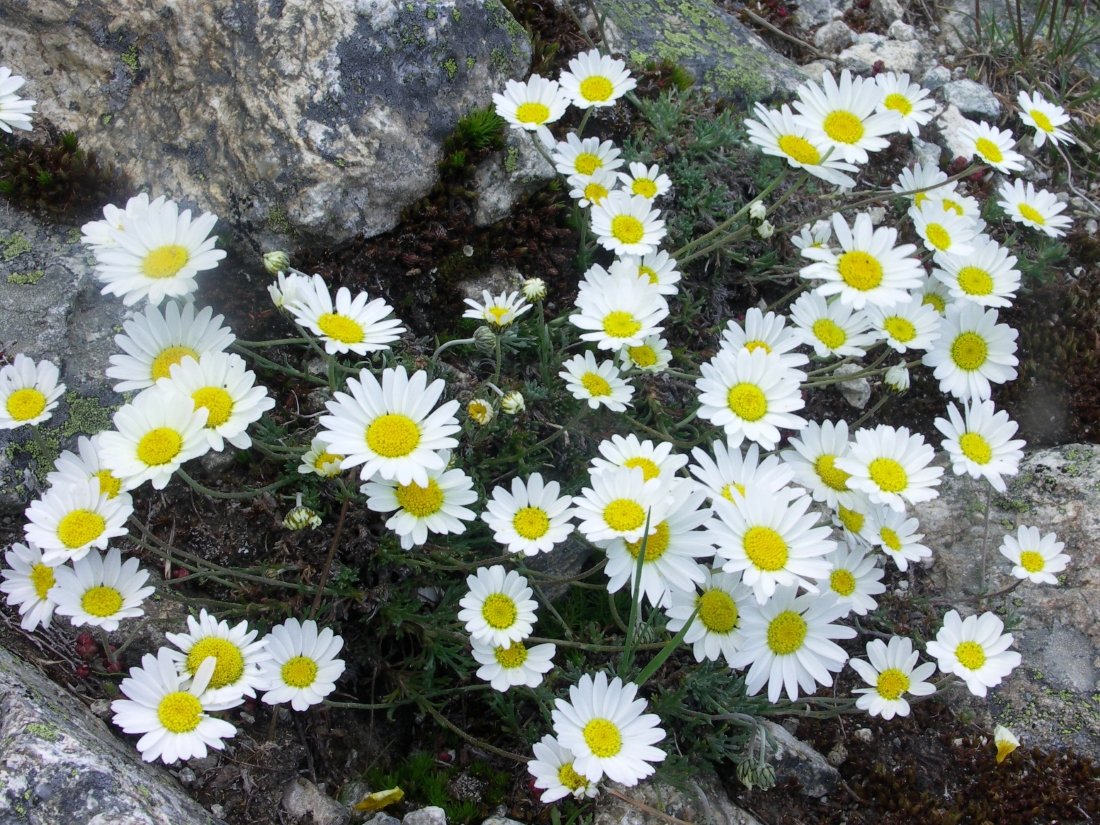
(130, 58)
(470, 62)
(450, 67)
(278, 220)
(73, 236)
(14, 246)
(26, 278)
(511, 159)
(431, 14)
(43, 731)
(456, 14)
(499, 58)
(86, 416)
(106, 119)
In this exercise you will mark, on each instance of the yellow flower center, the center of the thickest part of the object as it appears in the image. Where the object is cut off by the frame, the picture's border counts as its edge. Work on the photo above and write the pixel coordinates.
(479, 411)
(587, 163)
(829, 333)
(786, 633)
(938, 236)
(624, 515)
(843, 127)
(532, 113)
(649, 468)
(418, 501)
(42, 579)
(747, 401)
(890, 540)
(1042, 121)
(989, 150)
(80, 527)
(596, 88)
(852, 520)
(511, 657)
(934, 300)
(158, 447)
(753, 346)
(892, 683)
(655, 545)
(165, 261)
(621, 324)
(1032, 561)
(179, 712)
(603, 738)
(499, 611)
(570, 778)
(900, 329)
(1032, 214)
(393, 435)
(644, 187)
(101, 601)
(717, 611)
(650, 273)
(898, 103)
(831, 476)
(842, 582)
(230, 661)
(595, 192)
(799, 149)
(162, 364)
(299, 672)
(975, 448)
(969, 351)
(26, 404)
(531, 523)
(860, 270)
(974, 281)
(326, 458)
(951, 206)
(970, 655)
(920, 198)
(627, 229)
(643, 356)
(340, 328)
(218, 403)
(108, 483)
(765, 549)
(498, 314)
(727, 491)
(596, 385)
(889, 475)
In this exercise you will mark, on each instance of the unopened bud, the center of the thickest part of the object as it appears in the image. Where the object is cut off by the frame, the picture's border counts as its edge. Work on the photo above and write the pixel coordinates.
(276, 262)
(513, 403)
(485, 339)
(765, 230)
(897, 378)
(757, 211)
(534, 289)
(301, 517)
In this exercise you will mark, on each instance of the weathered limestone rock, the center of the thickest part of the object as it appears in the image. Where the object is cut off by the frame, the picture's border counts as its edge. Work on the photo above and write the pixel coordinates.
(834, 37)
(791, 757)
(59, 764)
(431, 815)
(505, 177)
(708, 804)
(949, 123)
(896, 55)
(288, 116)
(972, 99)
(301, 799)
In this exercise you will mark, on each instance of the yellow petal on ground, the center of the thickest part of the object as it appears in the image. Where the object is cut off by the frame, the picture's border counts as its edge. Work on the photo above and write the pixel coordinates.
(379, 800)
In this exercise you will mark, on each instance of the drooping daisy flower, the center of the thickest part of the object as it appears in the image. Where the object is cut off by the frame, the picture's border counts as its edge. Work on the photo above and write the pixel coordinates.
(100, 591)
(170, 709)
(598, 384)
(531, 519)
(845, 115)
(975, 650)
(592, 190)
(28, 581)
(84, 467)
(1003, 738)
(514, 664)
(772, 543)
(605, 727)
(154, 342)
(97, 234)
(813, 462)
(973, 350)
(921, 184)
(980, 443)
(303, 667)
(1045, 118)
(891, 466)
(891, 673)
(943, 231)
(751, 395)
(830, 327)
(73, 517)
(1035, 557)
(500, 310)
(596, 80)
(317, 459)
(908, 325)
(154, 435)
(28, 392)
(618, 502)
(818, 235)
(499, 609)
(238, 659)
(788, 644)
(987, 276)
(626, 224)
(574, 156)
(897, 536)
(389, 427)
(657, 267)
(622, 312)
(716, 630)
(779, 134)
(14, 111)
(652, 356)
(1036, 209)
(435, 507)
(991, 145)
(656, 460)
(288, 290)
(530, 105)
(909, 100)
(854, 579)
(730, 476)
(767, 332)
(553, 771)
(649, 183)
(869, 268)
(352, 325)
(934, 293)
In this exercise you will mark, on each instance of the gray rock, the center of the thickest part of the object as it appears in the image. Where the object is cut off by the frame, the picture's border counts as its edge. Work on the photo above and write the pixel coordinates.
(382, 818)
(500, 820)
(949, 124)
(856, 391)
(496, 280)
(902, 31)
(896, 56)
(706, 802)
(936, 78)
(972, 99)
(273, 115)
(870, 38)
(302, 798)
(505, 177)
(877, 214)
(1091, 226)
(60, 764)
(926, 153)
(885, 12)
(832, 38)
(817, 68)
(812, 13)
(426, 816)
(792, 757)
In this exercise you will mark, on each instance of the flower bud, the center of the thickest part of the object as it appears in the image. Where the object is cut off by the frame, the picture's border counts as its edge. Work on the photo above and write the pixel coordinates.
(765, 230)
(534, 289)
(301, 517)
(275, 262)
(897, 378)
(480, 411)
(758, 211)
(513, 403)
(485, 339)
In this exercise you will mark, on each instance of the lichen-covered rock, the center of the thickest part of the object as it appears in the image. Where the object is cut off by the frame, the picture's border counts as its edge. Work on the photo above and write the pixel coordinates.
(972, 99)
(706, 802)
(60, 765)
(509, 175)
(282, 116)
(899, 56)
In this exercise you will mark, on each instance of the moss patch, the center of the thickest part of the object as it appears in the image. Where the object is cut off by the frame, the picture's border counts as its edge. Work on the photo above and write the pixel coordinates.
(26, 278)
(14, 246)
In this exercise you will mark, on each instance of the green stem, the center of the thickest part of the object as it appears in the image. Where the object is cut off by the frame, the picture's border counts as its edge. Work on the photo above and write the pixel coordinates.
(667, 651)
(206, 491)
(718, 230)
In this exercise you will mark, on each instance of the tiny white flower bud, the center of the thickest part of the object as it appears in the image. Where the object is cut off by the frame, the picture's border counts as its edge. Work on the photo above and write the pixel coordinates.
(758, 211)
(765, 230)
(274, 262)
(534, 289)
(897, 378)
(513, 403)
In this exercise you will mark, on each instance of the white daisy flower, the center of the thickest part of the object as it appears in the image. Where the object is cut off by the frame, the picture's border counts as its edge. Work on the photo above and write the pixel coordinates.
(605, 727)
(650, 183)
(891, 466)
(731, 477)
(891, 673)
(656, 460)
(553, 771)
(716, 630)
(921, 184)
(751, 395)
(933, 292)
(352, 325)
(618, 502)
(238, 659)
(813, 462)
(943, 231)
(1045, 118)
(897, 536)
(73, 517)
(480, 411)
(596, 80)
(574, 156)
(28, 581)
(500, 310)
(657, 267)
(530, 105)
(651, 356)
(845, 115)
(869, 269)
(97, 234)
(154, 435)
(28, 392)
(435, 507)
(991, 146)
(980, 443)
(987, 276)
(170, 709)
(15, 112)
(855, 521)
(1003, 738)
(288, 290)
(788, 644)
(767, 332)
(302, 668)
(71, 467)
(622, 312)
(598, 384)
(389, 427)
(318, 460)
(964, 206)
(973, 351)
(907, 325)
(100, 591)
(778, 133)
(154, 342)
(531, 519)
(627, 225)
(498, 609)
(832, 328)
(854, 579)
(1034, 557)
(975, 650)
(592, 190)
(516, 664)
(1036, 209)
(817, 235)
(909, 100)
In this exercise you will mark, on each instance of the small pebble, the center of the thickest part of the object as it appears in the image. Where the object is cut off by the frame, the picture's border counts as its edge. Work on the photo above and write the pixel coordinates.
(903, 584)
(1091, 226)
(187, 777)
(837, 755)
(217, 810)
(864, 735)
